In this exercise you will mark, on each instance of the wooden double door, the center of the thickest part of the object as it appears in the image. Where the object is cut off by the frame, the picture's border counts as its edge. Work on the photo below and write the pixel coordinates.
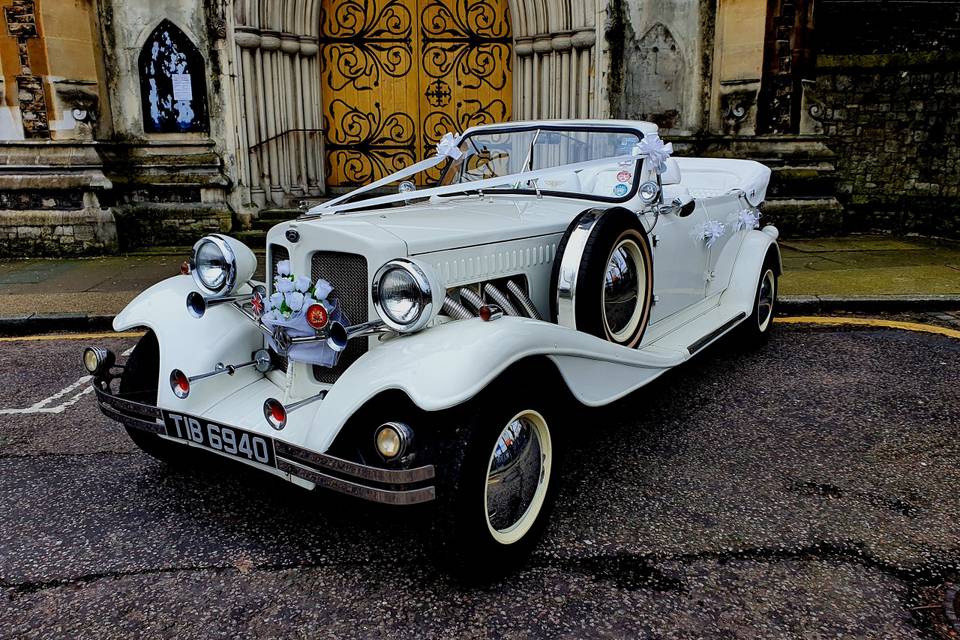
(399, 74)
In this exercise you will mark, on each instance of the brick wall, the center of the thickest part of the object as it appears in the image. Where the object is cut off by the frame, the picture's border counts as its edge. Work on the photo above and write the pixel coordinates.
(886, 93)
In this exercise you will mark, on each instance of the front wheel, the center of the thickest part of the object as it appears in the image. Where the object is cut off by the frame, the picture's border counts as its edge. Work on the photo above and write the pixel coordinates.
(497, 481)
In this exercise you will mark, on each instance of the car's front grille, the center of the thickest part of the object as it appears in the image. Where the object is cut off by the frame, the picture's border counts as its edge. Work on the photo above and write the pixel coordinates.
(347, 272)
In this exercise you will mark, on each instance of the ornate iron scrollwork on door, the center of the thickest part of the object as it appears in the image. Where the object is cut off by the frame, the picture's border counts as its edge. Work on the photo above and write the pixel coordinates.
(362, 42)
(468, 40)
(366, 145)
(391, 93)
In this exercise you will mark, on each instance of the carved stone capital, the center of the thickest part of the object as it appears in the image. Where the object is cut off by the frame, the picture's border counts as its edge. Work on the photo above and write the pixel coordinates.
(247, 37)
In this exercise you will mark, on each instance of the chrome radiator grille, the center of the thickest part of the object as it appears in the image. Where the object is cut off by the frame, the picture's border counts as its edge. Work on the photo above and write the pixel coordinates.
(347, 272)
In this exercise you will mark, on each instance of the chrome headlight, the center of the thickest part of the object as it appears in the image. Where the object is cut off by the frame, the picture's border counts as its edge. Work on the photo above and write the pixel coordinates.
(406, 295)
(220, 264)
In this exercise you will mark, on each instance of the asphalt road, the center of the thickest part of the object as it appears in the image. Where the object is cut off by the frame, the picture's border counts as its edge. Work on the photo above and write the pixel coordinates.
(809, 489)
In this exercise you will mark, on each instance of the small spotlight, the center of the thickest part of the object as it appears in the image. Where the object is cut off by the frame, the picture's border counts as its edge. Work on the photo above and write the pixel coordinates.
(98, 360)
(393, 439)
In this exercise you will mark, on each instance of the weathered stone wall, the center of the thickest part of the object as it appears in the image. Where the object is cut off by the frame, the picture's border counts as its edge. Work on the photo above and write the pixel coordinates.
(886, 96)
(659, 54)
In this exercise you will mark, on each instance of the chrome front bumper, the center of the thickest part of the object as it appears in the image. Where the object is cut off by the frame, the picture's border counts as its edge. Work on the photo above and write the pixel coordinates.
(387, 486)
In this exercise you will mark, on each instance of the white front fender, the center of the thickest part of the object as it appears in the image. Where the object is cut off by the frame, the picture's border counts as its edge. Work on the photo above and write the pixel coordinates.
(446, 365)
(193, 345)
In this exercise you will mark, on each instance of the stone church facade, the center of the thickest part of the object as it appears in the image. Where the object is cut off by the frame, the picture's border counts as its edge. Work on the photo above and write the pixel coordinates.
(130, 123)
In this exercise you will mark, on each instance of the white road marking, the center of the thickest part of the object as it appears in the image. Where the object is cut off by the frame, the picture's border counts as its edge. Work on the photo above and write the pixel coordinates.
(41, 407)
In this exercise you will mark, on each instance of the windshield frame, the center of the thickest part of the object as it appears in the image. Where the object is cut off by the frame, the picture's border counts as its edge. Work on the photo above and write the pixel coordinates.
(507, 128)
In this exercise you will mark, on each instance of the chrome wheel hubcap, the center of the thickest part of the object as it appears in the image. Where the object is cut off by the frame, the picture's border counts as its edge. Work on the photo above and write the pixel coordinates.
(624, 282)
(768, 290)
(517, 476)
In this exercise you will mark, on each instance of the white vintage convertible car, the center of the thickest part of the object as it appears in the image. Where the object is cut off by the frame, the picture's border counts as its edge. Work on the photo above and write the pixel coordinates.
(428, 344)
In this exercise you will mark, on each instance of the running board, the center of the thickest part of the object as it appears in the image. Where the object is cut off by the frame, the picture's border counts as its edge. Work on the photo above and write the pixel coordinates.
(716, 333)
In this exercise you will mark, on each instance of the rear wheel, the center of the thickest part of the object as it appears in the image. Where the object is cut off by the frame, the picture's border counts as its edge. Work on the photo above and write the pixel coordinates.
(497, 483)
(139, 382)
(757, 327)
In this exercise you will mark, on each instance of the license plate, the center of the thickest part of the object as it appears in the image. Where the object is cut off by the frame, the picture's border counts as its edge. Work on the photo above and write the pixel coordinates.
(221, 438)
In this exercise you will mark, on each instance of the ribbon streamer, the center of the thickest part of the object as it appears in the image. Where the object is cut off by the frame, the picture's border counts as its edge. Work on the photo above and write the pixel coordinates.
(655, 150)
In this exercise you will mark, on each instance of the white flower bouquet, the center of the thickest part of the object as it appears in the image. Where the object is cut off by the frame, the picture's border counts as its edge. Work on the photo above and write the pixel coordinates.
(287, 307)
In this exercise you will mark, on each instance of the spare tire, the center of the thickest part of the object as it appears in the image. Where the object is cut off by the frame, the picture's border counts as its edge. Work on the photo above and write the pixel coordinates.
(603, 276)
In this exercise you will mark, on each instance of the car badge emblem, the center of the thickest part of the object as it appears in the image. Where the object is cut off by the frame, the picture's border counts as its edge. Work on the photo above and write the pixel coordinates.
(257, 304)
(282, 340)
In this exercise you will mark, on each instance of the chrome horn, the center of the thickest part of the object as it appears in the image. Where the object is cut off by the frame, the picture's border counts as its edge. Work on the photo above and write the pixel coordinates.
(197, 305)
(338, 336)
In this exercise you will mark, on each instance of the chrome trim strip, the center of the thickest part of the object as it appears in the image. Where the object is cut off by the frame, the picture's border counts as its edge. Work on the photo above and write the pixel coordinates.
(130, 421)
(322, 460)
(570, 267)
(385, 496)
(122, 404)
(716, 333)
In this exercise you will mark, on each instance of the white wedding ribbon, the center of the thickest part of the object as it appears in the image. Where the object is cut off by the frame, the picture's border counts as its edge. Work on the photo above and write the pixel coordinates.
(710, 231)
(655, 150)
(449, 147)
(510, 181)
(748, 219)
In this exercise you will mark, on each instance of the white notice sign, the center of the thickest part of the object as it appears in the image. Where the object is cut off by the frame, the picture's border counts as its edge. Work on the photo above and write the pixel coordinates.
(182, 86)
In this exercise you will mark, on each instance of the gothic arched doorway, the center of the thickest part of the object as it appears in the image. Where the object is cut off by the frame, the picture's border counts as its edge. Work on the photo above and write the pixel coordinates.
(398, 74)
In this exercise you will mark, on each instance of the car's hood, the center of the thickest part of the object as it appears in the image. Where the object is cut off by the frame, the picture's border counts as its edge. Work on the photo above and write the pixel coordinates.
(449, 223)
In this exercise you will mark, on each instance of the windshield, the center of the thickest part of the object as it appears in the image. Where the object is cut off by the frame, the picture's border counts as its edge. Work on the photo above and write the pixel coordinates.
(492, 154)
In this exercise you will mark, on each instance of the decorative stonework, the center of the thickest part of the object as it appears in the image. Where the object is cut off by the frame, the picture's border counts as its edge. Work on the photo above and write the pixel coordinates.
(22, 24)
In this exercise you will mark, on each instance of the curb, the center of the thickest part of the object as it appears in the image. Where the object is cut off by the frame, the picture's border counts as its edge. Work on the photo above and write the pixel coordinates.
(799, 305)
(786, 306)
(53, 323)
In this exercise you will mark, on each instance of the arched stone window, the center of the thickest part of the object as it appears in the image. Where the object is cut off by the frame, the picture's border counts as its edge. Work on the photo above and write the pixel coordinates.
(173, 84)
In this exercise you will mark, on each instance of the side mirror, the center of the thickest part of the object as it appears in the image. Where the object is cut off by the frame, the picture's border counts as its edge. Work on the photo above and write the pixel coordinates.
(678, 208)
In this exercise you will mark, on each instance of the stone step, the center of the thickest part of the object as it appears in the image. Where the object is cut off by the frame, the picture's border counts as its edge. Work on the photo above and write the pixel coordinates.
(802, 181)
(256, 239)
(803, 217)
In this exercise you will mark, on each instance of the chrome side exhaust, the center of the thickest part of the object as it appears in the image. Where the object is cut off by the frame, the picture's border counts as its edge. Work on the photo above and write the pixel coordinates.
(500, 299)
(529, 309)
(456, 310)
(470, 299)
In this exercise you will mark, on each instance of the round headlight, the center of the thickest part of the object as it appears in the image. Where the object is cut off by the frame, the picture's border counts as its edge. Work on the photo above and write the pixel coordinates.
(213, 265)
(404, 295)
(649, 191)
(220, 265)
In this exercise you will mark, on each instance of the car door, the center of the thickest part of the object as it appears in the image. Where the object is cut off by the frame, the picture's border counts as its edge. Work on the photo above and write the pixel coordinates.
(722, 254)
(679, 261)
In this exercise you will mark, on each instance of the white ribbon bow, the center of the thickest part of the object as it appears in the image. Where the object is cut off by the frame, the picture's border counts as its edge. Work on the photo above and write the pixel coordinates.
(748, 219)
(655, 150)
(711, 231)
(447, 147)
